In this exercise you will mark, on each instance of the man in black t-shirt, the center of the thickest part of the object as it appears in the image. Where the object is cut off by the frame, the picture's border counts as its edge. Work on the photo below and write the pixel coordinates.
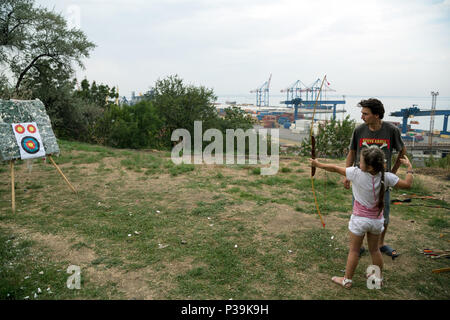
(387, 137)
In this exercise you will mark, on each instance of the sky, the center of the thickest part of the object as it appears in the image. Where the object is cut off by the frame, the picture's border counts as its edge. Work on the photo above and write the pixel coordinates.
(374, 48)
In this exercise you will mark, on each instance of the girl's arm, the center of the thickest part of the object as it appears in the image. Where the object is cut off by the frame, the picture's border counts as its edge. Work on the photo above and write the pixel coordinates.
(327, 167)
(407, 182)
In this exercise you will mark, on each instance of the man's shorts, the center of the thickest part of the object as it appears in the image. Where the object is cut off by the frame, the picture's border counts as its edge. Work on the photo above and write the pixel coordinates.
(361, 225)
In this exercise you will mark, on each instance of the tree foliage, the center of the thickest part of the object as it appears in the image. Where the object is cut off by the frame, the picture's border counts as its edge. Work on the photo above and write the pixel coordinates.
(101, 95)
(171, 105)
(72, 116)
(36, 42)
(136, 126)
(332, 140)
(179, 105)
(14, 18)
(236, 118)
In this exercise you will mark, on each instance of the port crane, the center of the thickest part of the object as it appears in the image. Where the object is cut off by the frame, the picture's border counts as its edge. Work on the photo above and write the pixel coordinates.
(295, 91)
(416, 112)
(312, 92)
(262, 93)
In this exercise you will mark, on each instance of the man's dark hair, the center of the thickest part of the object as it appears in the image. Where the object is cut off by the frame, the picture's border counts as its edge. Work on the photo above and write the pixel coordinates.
(375, 106)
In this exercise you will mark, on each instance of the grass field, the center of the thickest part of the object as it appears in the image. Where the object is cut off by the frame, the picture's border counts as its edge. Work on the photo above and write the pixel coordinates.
(141, 227)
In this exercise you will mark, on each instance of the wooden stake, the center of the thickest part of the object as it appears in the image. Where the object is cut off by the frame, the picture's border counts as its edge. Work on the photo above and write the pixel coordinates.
(13, 193)
(62, 174)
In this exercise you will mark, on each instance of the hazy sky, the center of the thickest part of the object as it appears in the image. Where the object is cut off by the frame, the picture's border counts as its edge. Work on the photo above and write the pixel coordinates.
(376, 48)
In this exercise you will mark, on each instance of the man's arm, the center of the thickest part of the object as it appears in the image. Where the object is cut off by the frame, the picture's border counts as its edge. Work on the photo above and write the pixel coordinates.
(398, 143)
(350, 160)
(397, 162)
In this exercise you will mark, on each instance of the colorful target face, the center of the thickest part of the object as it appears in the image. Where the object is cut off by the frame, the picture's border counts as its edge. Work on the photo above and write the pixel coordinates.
(30, 145)
(19, 129)
(31, 129)
(29, 140)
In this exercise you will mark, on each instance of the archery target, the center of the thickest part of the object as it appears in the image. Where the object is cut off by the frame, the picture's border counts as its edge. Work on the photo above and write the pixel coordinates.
(30, 144)
(31, 129)
(19, 129)
(29, 140)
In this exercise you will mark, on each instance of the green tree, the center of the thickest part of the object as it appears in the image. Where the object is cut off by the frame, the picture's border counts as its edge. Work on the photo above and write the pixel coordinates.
(15, 16)
(5, 89)
(236, 118)
(169, 105)
(38, 52)
(137, 126)
(101, 95)
(179, 105)
(72, 117)
(35, 39)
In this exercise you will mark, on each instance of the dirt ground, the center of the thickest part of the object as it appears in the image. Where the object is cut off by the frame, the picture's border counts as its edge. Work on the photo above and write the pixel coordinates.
(280, 219)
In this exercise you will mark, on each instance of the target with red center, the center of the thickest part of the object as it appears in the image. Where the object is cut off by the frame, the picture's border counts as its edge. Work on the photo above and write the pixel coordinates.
(30, 145)
(19, 129)
(31, 129)
(28, 140)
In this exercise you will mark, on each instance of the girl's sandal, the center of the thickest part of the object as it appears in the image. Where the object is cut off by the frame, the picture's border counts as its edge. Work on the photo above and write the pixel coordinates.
(346, 283)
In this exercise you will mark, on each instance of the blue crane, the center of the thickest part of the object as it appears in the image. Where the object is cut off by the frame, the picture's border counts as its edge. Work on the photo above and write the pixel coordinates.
(312, 91)
(262, 93)
(416, 112)
(309, 104)
(295, 91)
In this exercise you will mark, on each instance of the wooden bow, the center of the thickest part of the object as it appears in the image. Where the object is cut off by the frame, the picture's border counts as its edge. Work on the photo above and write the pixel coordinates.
(313, 152)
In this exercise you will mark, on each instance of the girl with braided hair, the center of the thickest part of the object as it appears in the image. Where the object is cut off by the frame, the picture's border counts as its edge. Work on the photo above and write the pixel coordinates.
(369, 183)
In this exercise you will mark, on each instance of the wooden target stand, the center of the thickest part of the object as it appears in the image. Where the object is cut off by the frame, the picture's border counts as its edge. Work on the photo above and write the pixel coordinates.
(13, 192)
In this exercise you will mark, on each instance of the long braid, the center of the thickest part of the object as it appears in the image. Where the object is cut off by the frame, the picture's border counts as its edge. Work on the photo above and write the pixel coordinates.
(382, 191)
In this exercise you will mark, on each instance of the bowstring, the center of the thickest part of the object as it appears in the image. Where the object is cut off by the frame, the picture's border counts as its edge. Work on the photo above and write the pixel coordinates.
(311, 133)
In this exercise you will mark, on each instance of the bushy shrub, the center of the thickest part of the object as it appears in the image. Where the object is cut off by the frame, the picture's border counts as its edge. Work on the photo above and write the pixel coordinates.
(443, 163)
(137, 126)
(332, 140)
